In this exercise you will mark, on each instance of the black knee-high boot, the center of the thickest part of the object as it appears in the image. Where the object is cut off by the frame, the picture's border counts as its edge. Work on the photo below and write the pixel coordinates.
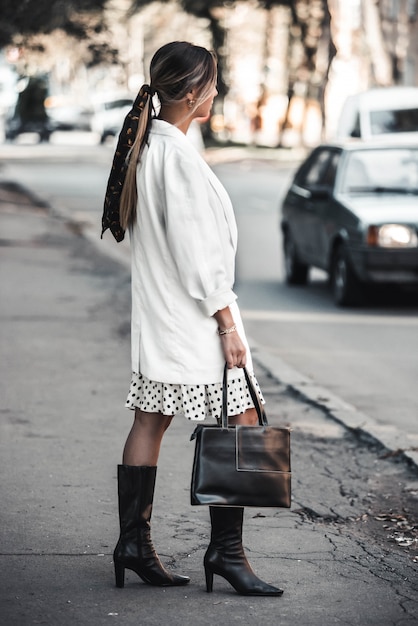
(225, 555)
(134, 549)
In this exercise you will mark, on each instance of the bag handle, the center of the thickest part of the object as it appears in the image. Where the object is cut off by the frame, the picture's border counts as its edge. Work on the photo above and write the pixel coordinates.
(261, 414)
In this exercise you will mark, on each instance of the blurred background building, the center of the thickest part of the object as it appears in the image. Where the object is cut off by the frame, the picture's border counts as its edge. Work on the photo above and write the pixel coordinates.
(286, 67)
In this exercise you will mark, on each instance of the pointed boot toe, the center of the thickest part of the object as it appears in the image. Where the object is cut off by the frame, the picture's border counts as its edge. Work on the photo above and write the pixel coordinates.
(260, 588)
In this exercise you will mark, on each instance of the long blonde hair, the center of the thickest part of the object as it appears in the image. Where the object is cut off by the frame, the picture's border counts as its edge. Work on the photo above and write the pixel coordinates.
(175, 70)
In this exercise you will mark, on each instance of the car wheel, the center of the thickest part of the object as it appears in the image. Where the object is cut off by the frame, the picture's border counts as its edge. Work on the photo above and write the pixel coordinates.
(345, 284)
(296, 272)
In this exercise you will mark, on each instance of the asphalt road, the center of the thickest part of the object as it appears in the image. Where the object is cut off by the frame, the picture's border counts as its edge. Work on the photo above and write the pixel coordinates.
(345, 553)
(368, 356)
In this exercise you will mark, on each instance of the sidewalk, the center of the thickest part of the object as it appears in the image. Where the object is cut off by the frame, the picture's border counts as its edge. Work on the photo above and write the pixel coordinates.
(345, 553)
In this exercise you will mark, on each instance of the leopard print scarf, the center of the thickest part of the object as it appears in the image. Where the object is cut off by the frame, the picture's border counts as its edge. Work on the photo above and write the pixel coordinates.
(110, 218)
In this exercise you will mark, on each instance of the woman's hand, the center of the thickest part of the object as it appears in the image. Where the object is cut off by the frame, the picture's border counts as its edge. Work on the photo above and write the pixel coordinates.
(234, 350)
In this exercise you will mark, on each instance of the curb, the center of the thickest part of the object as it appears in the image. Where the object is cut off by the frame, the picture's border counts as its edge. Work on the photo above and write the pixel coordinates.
(363, 426)
(290, 157)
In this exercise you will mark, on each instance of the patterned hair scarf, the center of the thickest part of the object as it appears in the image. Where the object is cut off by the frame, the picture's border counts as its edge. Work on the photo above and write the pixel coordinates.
(110, 218)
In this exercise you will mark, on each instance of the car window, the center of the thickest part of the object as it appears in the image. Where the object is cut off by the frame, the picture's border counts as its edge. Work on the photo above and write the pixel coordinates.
(398, 121)
(321, 170)
(356, 132)
(388, 168)
(315, 170)
(330, 170)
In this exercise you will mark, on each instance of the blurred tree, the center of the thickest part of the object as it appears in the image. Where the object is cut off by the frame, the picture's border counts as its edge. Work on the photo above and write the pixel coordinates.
(31, 17)
(310, 54)
(310, 47)
(211, 10)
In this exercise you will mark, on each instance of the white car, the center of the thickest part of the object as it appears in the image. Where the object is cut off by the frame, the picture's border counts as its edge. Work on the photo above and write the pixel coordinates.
(380, 114)
(108, 116)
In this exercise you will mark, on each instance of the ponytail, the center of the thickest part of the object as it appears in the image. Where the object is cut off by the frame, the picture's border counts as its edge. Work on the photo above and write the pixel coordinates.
(129, 195)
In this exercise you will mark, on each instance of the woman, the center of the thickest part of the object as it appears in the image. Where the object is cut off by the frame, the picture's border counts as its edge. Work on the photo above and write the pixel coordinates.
(185, 321)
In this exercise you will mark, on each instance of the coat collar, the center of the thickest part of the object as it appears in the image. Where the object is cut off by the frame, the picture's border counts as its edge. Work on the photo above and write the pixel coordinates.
(161, 127)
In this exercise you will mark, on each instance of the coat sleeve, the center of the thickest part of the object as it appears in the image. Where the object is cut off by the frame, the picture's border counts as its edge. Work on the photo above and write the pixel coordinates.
(193, 233)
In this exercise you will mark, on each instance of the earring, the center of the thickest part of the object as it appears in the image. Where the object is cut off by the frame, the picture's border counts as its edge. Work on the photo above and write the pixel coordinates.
(190, 103)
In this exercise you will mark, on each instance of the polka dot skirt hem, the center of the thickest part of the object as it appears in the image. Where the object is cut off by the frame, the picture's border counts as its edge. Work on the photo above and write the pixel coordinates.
(197, 402)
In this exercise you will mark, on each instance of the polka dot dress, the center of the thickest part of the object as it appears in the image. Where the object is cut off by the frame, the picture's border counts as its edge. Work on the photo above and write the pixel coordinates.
(197, 402)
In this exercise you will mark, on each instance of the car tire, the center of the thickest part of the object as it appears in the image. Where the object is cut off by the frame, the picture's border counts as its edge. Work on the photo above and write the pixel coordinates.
(296, 271)
(344, 283)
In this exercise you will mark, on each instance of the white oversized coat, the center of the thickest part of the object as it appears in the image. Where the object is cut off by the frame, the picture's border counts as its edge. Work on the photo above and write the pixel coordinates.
(183, 246)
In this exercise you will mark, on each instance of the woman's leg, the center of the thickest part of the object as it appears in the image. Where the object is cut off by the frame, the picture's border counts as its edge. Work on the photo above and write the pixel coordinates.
(143, 444)
(248, 418)
(136, 483)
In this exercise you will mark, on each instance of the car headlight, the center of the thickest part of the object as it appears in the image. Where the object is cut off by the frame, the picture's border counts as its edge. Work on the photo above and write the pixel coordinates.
(392, 236)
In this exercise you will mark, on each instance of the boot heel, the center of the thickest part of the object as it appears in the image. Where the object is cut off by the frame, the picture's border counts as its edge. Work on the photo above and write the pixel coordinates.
(119, 575)
(209, 580)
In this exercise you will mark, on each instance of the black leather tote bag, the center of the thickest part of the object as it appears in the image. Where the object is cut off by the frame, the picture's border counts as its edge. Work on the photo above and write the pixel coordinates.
(241, 465)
